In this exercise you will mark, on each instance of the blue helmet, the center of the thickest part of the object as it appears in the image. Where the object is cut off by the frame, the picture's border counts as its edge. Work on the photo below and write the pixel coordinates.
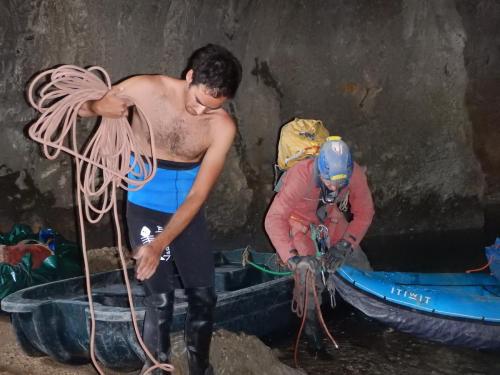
(334, 162)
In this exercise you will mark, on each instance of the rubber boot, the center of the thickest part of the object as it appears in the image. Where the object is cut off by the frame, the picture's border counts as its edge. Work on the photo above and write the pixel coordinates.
(199, 327)
(314, 336)
(156, 330)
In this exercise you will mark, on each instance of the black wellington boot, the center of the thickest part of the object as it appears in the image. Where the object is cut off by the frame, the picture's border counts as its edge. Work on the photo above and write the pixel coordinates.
(199, 327)
(156, 330)
(314, 336)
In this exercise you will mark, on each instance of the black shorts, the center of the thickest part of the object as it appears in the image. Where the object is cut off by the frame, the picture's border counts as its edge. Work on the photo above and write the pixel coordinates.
(188, 261)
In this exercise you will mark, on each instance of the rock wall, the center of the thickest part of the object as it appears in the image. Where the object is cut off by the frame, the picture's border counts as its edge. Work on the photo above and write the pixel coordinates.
(482, 97)
(411, 85)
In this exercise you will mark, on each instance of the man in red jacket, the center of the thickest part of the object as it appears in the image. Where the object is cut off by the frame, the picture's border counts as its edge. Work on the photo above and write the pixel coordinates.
(329, 191)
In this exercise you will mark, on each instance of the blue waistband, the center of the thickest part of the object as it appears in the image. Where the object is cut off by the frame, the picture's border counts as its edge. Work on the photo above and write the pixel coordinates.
(168, 188)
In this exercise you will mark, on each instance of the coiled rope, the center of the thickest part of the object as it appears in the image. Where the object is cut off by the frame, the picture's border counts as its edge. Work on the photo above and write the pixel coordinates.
(104, 164)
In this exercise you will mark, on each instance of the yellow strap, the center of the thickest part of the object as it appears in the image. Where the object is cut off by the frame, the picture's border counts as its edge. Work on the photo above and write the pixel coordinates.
(334, 138)
(338, 177)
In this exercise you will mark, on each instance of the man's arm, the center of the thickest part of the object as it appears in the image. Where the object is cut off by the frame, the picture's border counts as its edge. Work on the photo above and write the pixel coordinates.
(211, 167)
(277, 221)
(115, 103)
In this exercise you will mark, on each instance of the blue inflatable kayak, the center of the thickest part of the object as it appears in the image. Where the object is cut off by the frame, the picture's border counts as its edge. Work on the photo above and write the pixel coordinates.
(454, 308)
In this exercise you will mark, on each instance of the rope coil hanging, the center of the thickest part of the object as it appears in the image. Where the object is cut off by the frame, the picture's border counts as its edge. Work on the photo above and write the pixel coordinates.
(304, 285)
(104, 164)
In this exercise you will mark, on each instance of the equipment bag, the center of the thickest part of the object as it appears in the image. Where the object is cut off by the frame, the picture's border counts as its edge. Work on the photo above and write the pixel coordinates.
(300, 139)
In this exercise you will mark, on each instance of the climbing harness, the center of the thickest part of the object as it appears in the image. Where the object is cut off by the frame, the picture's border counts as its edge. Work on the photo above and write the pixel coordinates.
(319, 236)
(102, 167)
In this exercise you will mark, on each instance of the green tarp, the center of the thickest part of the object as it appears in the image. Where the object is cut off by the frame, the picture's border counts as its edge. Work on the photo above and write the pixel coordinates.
(65, 261)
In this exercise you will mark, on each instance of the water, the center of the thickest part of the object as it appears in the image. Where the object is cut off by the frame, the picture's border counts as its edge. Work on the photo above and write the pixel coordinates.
(454, 251)
(370, 347)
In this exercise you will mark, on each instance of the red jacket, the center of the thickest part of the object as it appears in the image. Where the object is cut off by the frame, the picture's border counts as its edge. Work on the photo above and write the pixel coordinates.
(294, 208)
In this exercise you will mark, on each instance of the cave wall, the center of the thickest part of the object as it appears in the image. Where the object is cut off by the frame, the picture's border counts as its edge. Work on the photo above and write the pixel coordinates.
(411, 85)
(482, 96)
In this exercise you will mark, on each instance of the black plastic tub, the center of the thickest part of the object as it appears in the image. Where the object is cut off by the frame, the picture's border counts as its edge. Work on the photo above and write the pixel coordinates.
(53, 319)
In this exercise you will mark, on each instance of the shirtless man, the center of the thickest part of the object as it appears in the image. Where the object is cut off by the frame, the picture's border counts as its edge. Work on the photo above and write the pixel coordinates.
(166, 225)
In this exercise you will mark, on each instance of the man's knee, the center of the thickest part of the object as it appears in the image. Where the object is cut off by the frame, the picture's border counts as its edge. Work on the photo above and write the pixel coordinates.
(159, 301)
(202, 296)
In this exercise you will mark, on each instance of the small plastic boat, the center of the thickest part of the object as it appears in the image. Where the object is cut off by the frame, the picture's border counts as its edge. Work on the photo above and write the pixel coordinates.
(53, 319)
(453, 308)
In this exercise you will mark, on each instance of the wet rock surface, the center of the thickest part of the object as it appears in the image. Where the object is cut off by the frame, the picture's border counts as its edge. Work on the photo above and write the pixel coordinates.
(411, 85)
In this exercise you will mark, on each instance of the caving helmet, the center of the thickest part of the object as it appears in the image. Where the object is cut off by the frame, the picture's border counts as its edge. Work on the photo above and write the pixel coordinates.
(334, 167)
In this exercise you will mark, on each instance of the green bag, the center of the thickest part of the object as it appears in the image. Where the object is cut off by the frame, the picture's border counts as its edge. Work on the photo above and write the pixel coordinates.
(64, 263)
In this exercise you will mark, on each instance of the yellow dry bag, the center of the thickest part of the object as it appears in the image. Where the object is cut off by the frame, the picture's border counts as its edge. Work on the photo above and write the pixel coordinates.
(298, 140)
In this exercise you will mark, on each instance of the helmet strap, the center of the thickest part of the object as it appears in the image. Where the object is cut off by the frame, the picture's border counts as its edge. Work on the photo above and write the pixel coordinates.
(327, 196)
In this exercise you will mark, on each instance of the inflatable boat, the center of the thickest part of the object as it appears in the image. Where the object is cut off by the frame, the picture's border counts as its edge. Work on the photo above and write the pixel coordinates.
(453, 308)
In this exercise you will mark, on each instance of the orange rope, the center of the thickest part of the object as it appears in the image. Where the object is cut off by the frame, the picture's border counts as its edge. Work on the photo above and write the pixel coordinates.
(101, 168)
(299, 334)
(302, 310)
(481, 268)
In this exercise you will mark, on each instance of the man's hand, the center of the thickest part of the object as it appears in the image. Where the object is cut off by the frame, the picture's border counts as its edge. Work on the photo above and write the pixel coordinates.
(293, 261)
(303, 263)
(337, 255)
(111, 105)
(148, 258)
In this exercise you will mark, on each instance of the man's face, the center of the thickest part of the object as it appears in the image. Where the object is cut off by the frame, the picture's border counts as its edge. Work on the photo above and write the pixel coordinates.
(199, 101)
(333, 185)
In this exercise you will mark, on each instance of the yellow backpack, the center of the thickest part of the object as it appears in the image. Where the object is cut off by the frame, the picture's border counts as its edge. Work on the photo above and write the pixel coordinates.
(300, 139)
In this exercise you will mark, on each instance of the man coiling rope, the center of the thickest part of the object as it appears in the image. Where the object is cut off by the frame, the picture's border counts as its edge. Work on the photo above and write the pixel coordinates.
(166, 225)
(102, 167)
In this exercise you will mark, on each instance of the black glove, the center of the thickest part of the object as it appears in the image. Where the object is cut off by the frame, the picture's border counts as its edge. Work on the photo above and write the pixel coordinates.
(337, 255)
(293, 261)
(303, 263)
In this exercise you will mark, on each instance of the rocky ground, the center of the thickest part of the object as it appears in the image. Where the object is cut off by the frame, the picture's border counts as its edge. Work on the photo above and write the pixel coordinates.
(107, 258)
(231, 353)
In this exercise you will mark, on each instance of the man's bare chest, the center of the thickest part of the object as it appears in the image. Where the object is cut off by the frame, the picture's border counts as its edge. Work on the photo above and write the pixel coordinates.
(176, 136)
(182, 137)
